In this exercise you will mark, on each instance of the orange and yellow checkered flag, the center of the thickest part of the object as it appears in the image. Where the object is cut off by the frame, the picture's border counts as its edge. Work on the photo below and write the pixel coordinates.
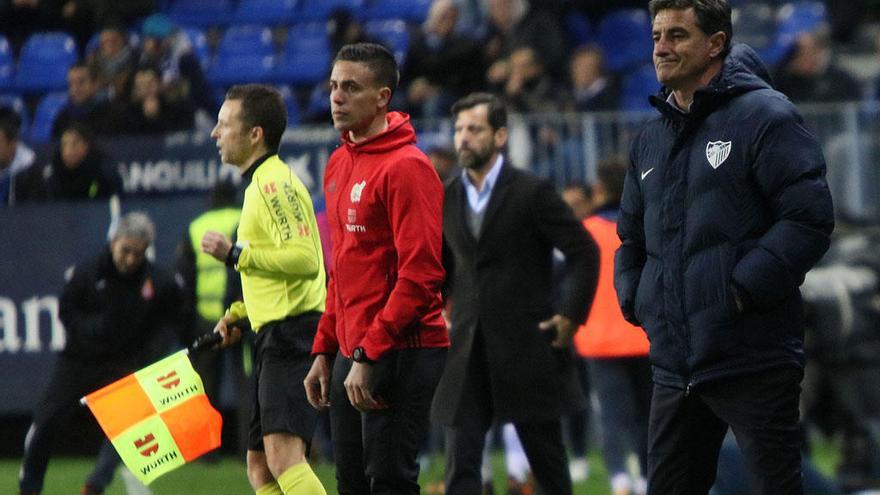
(158, 418)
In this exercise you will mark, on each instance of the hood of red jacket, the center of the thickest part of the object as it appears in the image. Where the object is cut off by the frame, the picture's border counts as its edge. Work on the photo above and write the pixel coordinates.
(398, 133)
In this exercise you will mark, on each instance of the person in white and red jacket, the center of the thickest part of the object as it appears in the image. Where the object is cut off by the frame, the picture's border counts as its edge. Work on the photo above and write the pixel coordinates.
(382, 334)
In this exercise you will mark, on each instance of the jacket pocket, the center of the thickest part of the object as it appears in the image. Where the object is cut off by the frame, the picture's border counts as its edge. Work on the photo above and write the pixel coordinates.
(649, 298)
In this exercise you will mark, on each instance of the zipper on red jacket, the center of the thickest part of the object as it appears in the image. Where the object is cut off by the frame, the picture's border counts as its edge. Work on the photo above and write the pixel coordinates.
(340, 187)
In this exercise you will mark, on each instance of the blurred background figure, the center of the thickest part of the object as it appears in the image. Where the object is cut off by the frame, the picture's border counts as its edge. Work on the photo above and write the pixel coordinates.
(810, 73)
(15, 156)
(591, 88)
(616, 352)
(115, 60)
(76, 171)
(434, 49)
(444, 161)
(514, 23)
(209, 287)
(579, 197)
(841, 396)
(150, 111)
(169, 49)
(528, 87)
(86, 103)
(119, 311)
(516, 464)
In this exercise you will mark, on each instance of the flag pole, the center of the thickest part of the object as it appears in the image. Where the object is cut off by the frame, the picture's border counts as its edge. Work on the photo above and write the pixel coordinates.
(203, 343)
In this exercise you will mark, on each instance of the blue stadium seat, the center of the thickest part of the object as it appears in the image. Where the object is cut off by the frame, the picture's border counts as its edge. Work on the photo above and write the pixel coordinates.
(200, 47)
(625, 38)
(319, 101)
(800, 17)
(7, 64)
(16, 103)
(241, 69)
(201, 13)
(268, 12)
(245, 54)
(792, 20)
(246, 40)
(578, 29)
(43, 63)
(308, 29)
(754, 23)
(394, 34)
(320, 10)
(44, 116)
(305, 59)
(415, 11)
(637, 86)
(291, 104)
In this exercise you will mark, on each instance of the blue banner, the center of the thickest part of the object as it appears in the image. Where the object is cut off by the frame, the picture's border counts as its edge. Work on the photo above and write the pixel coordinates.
(190, 163)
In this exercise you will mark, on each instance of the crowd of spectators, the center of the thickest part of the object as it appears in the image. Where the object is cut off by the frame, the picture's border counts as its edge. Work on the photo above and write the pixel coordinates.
(543, 56)
(140, 73)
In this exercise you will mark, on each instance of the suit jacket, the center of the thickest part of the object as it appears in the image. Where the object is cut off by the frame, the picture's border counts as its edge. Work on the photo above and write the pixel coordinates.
(501, 286)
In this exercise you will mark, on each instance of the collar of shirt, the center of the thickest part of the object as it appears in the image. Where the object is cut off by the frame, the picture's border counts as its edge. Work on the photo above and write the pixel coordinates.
(248, 174)
(671, 100)
(479, 199)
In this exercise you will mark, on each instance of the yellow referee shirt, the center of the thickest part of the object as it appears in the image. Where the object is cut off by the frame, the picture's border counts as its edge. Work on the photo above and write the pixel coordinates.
(281, 264)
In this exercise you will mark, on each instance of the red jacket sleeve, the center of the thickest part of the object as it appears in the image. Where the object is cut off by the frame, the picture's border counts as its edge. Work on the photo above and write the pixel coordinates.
(414, 201)
(325, 338)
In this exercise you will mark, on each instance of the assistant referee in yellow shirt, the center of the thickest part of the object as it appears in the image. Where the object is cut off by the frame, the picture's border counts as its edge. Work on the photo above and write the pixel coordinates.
(278, 254)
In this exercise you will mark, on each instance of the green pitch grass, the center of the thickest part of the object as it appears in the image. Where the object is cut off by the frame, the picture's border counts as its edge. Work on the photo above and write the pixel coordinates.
(227, 476)
(66, 475)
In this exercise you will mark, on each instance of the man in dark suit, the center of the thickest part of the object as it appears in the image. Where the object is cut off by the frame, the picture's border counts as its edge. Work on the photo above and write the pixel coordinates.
(510, 359)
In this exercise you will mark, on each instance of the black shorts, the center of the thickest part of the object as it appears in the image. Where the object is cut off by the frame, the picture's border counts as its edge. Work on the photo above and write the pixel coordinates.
(282, 359)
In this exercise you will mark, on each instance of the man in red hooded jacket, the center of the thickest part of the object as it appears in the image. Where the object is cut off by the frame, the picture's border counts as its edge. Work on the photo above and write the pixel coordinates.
(382, 332)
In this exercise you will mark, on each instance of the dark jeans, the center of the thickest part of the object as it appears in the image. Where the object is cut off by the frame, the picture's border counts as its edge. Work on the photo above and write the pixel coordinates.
(71, 380)
(376, 452)
(686, 431)
(622, 387)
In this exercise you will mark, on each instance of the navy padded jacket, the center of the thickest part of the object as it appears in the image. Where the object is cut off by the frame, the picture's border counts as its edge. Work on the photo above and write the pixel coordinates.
(728, 198)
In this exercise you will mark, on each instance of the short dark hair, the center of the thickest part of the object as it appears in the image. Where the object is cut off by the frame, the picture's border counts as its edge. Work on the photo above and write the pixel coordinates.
(711, 15)
(497, 110)
(10, 122)
(611, 173)
(262, 106)
(377, 58)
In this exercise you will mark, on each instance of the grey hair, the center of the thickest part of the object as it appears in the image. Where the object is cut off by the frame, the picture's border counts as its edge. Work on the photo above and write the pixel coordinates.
(136, 224)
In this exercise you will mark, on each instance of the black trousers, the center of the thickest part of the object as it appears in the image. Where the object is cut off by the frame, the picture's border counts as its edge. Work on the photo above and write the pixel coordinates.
(686, 431)
(376, 452)
(71, 380)
(541, 440)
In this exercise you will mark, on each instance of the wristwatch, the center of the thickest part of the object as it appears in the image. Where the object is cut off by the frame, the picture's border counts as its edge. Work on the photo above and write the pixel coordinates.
(233, 255)
(359, 355)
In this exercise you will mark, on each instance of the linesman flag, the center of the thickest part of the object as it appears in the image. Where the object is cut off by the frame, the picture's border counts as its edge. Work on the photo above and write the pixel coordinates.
(158, 418)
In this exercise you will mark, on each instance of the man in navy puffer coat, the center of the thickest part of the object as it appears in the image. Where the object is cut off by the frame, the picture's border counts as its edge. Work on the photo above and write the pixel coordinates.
(724, 210)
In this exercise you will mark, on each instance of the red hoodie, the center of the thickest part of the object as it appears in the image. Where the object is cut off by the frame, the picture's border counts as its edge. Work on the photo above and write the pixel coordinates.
(384, 206)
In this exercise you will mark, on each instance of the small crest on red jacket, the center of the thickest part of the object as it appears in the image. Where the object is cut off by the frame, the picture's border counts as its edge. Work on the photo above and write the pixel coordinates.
(356, 191)
(147, 290)
(717, 152)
